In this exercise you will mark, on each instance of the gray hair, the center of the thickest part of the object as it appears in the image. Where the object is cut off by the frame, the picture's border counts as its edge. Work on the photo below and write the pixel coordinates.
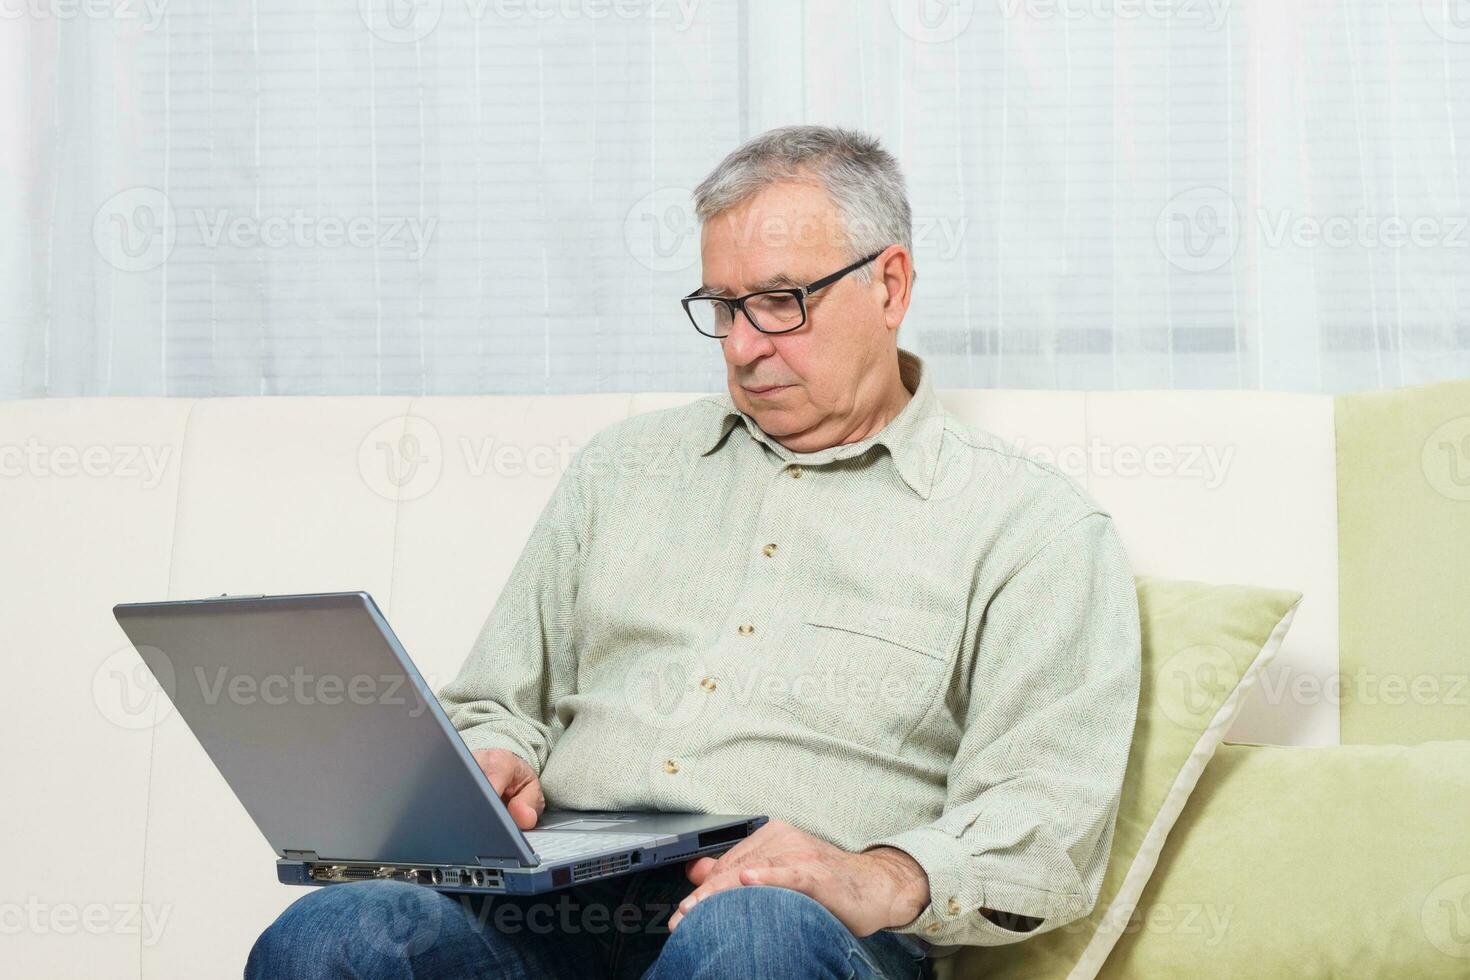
(863, 180)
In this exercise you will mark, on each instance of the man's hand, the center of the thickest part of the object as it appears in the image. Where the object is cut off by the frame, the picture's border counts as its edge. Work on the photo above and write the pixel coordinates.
(877, 889)
(516, 783)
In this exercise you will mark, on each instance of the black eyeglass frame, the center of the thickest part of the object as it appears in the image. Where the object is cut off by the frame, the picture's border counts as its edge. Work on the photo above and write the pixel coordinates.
(737, 303)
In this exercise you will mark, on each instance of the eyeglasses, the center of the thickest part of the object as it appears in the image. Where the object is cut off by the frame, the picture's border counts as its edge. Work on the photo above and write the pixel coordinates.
(769, 311)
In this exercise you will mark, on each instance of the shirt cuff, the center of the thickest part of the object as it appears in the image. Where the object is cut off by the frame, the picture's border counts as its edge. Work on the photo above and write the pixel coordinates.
(959, 888)
(485, 736)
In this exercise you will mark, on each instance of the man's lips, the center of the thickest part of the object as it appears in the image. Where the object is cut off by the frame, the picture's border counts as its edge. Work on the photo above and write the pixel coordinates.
(765, 389)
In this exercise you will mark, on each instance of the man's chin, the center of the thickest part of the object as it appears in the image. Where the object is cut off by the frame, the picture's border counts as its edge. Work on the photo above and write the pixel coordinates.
(774, 420)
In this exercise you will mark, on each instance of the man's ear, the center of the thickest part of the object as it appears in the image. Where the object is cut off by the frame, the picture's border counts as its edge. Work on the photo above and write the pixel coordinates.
(894, 271)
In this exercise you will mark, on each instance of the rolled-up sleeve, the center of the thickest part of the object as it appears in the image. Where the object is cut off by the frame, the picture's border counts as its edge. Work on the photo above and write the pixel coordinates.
(1033, 791)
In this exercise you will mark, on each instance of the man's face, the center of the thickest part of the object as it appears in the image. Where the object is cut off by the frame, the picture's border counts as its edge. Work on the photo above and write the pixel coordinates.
(790, 234)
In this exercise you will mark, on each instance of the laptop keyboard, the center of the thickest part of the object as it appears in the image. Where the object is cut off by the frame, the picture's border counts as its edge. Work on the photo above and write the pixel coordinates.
(558, 845)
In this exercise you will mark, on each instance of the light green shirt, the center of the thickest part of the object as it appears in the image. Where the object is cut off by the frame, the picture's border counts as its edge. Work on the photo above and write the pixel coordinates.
(922, 639)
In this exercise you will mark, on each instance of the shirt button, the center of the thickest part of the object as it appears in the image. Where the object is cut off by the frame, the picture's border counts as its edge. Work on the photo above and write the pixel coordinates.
(933, 928)
(708, 683)
(769, 550)
(670, 766)
(795, 471)
(746, 629)
(954, 905)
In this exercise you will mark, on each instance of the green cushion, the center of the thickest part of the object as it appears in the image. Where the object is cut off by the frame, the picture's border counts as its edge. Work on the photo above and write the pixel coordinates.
(1203, 647)
(1403, 517)
(1313, 862)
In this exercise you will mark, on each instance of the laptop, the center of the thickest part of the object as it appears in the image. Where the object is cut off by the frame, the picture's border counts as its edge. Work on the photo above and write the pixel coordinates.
(316, 717)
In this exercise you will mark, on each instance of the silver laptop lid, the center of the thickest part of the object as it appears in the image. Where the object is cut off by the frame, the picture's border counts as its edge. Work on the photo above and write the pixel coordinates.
(316, 717)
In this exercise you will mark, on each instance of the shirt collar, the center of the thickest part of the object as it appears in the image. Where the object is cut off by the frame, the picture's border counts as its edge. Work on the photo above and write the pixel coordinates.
(912, 438)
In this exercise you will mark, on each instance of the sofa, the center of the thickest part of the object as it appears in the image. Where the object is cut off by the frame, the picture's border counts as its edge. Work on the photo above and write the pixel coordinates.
(126, 855)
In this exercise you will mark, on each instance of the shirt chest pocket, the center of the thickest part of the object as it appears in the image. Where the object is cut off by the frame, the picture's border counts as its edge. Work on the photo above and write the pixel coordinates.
(865, 672)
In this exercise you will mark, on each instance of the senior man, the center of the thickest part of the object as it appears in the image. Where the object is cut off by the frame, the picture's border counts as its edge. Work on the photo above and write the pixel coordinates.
(821, 598)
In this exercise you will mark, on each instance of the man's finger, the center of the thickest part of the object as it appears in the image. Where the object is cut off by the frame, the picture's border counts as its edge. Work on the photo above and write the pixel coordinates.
(699, 869)
(526, 806)
(781, 877)
(715, 884)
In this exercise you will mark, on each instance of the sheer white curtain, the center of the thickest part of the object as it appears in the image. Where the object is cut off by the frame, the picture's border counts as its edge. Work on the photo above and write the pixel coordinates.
(452, 196)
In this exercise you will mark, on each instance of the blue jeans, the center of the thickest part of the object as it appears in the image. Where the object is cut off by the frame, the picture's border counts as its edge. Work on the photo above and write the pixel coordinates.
(615, 928)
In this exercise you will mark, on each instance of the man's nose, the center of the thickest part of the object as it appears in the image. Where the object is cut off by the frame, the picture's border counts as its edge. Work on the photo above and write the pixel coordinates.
(744, 343)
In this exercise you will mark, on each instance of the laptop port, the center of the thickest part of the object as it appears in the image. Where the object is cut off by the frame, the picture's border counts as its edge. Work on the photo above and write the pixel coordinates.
(725, 835)
(359, 873)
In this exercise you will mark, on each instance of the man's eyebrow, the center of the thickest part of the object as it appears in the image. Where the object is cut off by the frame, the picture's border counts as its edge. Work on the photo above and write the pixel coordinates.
(779, 281)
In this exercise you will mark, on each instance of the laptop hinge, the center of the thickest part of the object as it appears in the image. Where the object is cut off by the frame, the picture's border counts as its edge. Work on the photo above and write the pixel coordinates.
(291, 854)
(510, 864)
